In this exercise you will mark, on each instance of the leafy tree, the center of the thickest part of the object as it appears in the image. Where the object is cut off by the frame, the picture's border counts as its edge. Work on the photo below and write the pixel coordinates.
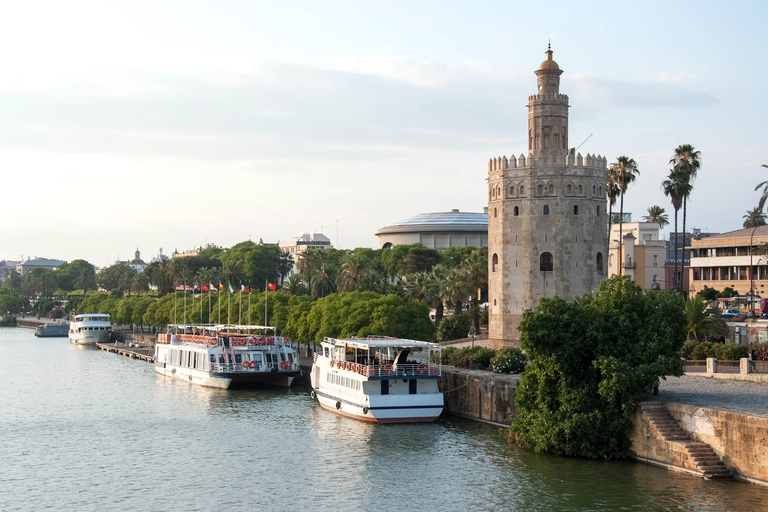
(402, 260)
(115, 277)
(613, 191)
(699, 324)
(11, 301)
(657, 215)
(754, 218)
(323, 281)
(625, 170)
(294, 286)
(251, 264)
(708, 294)
(592, 361)
(86, 279)
(354, 268)
(727, 292)
(677, 187)
(39, 281)
(161, 274)
(454, 327)
(67, 275)
(455, 256)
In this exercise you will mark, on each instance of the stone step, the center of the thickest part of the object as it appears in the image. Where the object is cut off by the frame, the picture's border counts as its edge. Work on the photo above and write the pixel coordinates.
(706, 459)
(718, 474)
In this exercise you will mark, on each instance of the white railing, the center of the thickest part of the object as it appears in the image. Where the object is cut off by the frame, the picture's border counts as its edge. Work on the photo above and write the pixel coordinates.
(388, 370)
(245, 367)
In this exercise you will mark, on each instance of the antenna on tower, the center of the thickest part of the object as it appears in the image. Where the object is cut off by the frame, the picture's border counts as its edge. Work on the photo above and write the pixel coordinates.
(585, 140)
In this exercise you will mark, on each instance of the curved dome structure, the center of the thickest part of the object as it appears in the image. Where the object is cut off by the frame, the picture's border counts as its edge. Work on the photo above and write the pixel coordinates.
(440, 230)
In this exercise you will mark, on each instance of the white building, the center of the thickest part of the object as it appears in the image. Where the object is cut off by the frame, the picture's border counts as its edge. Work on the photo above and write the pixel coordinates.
(304, 242)
(643, 254)
(31, 264)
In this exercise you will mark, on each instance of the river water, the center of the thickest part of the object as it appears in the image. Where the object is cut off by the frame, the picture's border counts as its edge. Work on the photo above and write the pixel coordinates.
(82, 429)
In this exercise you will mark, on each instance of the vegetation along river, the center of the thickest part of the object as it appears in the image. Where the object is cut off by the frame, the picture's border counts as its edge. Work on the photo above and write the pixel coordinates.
(83, 429)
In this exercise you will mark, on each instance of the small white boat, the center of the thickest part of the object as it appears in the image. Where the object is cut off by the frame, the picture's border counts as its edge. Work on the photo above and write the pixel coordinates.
(377, 379)
(90, 329)
(224, 356)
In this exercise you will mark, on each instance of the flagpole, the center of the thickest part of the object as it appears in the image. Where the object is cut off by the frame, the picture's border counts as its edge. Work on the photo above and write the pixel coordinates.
(240, 306)
(218, 300)
(185, 302)
(249, 303)
(266, 286)
(209, 303)
(229, 296)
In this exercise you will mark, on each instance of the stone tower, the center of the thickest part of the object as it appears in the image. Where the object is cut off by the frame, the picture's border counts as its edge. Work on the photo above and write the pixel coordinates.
(547, 223)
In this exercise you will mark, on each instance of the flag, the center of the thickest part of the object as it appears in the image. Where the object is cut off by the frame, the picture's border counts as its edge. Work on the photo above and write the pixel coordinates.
(272, 286)
(221, 286)
(230, 287)
(180, 288)
(243, 288)
(205, 288)
(212, 287)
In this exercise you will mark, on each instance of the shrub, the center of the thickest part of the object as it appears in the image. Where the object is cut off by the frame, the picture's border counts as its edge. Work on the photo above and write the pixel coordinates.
(509, 360)
(480, 358)
(453, 327)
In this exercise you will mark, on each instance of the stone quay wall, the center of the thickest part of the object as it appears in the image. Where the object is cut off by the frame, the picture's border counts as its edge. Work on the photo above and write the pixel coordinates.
(740, 441)
(479, 395)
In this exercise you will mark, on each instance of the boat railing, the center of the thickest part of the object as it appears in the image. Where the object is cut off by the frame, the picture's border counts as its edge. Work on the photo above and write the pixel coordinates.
(252, 366)
(390, 370)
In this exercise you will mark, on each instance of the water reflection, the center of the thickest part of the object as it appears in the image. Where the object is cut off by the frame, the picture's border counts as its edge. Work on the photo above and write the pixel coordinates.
(108, 433)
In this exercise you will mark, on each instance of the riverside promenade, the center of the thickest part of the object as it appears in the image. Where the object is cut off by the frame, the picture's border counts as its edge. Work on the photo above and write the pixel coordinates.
(748, 398)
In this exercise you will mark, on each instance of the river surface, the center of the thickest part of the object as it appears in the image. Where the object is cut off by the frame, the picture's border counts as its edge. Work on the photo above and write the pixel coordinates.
(82, 429)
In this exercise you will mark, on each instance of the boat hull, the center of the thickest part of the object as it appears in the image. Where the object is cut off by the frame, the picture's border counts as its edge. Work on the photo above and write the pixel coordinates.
(227, 380)
(395, 409)
(89, 338)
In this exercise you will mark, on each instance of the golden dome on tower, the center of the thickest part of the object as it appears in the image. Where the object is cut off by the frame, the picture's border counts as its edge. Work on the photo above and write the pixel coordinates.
(549, 63)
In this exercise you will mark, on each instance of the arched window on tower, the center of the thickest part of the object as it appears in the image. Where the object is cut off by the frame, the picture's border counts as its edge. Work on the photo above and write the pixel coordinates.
(581, 190)
(568, 189)
(494, 262)
(551, 189)
(546, 209)
(575, 209)
(598, 210)
(511, 190)
(593, 190)
(545, 262)
(517, 211)
(522, 190)
(540, 190)
(599, 262)
(494, 213)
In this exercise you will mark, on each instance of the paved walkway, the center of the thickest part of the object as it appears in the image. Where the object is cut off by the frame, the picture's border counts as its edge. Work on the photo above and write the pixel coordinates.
(723, 395)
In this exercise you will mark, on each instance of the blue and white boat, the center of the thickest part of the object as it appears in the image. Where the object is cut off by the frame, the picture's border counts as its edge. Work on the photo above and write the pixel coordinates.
(379, 379)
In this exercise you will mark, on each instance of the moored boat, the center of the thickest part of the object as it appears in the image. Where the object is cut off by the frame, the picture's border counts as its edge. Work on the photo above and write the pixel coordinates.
(53, 330)
(225, 356)
(90, 329)
(378, 379)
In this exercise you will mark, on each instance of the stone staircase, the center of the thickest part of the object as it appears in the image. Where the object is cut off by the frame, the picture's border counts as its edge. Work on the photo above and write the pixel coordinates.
(702, 457)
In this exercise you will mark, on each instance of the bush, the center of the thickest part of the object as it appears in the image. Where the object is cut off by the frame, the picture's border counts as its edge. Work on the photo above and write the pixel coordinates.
(721, 351)
(453, 327)
(509, 360)
(477, 358)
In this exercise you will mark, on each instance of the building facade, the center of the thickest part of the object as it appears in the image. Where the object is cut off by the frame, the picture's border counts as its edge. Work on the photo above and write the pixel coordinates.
(643, 254)
(304, 242)
(31, 264)
(441, 230)
(730, 260)
(547, 233)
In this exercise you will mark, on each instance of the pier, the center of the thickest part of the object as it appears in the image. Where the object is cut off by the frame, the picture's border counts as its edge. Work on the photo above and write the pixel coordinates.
(142, 353)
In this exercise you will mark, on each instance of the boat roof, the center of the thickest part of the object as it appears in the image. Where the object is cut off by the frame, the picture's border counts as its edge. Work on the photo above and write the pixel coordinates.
(92, 315)
(222, 327)
(380, 342)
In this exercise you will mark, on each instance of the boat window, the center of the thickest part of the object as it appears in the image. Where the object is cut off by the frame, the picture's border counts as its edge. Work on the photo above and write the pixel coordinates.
(213, 358)
(290, 357)
(238, 358)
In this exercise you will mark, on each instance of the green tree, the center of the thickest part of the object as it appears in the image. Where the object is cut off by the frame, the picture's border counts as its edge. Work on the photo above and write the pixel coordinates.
(294, 286)
(677, 187)
(475, 271)
(456, 256)
(754, 218)
(592, 361)
(657, 215)
(67, 274)
(613, 191)
(625, 170)
(10, 301)
(698, 323)
(354, 268)
(708, 294)
(12, 280)
(688, 161)
(323, 281)
(86, 279)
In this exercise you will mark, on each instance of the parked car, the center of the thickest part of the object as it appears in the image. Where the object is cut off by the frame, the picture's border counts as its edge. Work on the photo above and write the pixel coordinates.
(730, 313)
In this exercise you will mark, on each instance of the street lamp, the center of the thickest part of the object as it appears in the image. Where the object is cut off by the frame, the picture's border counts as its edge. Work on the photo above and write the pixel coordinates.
(751, 274)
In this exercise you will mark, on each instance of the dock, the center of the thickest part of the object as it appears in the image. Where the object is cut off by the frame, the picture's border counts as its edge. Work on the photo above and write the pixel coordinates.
(122, 349)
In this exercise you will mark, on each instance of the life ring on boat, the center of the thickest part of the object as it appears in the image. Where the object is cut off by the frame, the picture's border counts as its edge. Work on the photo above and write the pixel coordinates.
(421, 368)
(340, 364)
(253, 364)
(282, 364)
(331, 363)
(338, 405)
(365, 410)
(387, 367)
(312, 394)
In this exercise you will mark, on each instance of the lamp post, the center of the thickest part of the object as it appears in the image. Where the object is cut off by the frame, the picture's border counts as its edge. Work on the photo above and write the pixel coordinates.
(751, 274)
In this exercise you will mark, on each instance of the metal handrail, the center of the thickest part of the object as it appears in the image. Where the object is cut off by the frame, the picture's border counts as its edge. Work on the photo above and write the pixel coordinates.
(388, 370)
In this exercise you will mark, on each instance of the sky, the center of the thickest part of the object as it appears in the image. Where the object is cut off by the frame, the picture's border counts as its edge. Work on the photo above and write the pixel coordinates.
(164, 124)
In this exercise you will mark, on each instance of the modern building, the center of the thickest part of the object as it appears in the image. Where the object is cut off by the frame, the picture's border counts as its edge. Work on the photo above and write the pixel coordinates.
(31, 264)
(547, 234)
(305, 242)
(676, 257)
(643, 255)
(441, 230)
(730, 260)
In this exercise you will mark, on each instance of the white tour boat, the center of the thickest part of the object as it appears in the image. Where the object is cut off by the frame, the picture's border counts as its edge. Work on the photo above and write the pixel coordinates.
(224, 356)
(384, 380)
(90, 329)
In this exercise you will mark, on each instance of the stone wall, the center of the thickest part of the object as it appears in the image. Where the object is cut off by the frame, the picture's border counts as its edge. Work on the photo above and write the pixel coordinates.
(740, 441)
(479, 395)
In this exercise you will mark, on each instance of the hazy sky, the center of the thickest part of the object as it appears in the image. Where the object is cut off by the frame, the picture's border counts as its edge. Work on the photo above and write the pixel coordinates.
(169, 124)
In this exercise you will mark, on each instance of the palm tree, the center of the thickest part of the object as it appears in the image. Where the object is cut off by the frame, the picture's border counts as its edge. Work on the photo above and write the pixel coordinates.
(476, 273)
(86, 279)
(698, 323)
(657, 215)
(293, 286)
(354, 267)
(626, 170)
(688, 160)
(676, 186)
(457, 288)
(764, 196)
(139, 283)
(12, 280)
(284, 265)
(323, 281)
(754, 217)
(612, 188)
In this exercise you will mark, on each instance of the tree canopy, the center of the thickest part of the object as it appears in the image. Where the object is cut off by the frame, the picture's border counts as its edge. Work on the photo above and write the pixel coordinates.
(592, 361)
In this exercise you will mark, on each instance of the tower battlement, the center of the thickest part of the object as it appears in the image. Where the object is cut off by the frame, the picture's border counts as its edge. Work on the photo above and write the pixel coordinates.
(556, 96)
(571, 159)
